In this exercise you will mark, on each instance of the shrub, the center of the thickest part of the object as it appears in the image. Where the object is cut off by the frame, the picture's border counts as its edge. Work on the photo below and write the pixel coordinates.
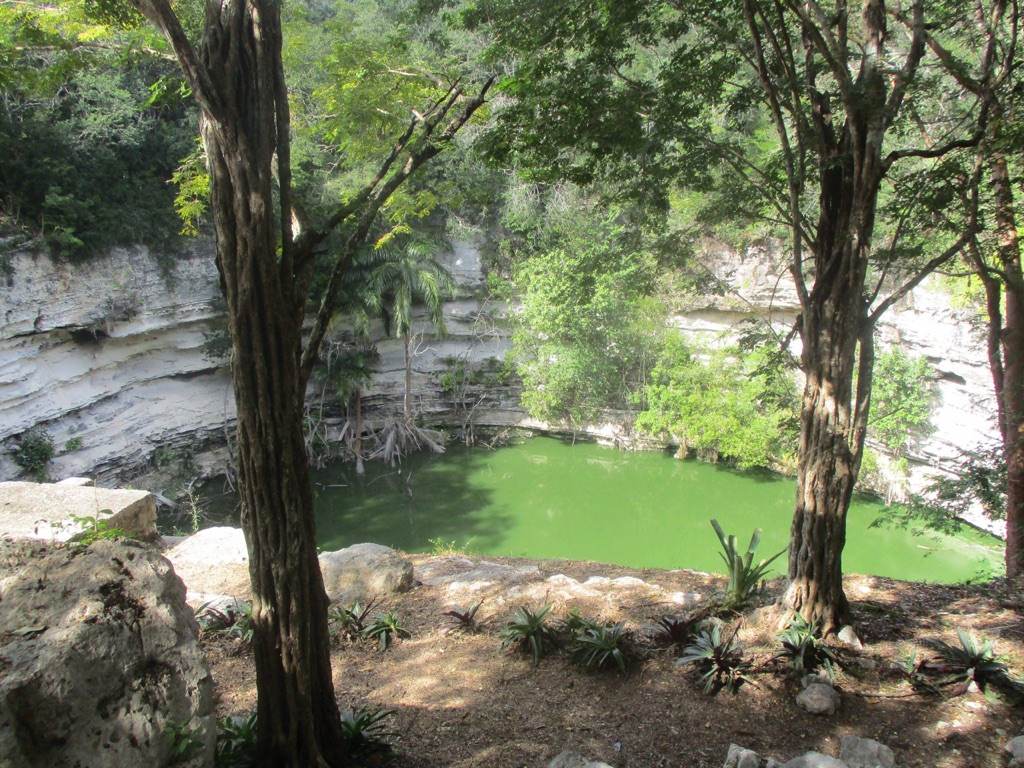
(528, 629)
(234, 621)
(744, 575)
(33, 453)
(975, 661)
(721, 662)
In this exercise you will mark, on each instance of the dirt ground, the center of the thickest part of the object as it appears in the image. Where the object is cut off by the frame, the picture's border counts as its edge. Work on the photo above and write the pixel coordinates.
(462, 702)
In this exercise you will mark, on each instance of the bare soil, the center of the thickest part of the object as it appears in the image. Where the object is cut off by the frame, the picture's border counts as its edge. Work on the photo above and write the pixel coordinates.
(460, 701)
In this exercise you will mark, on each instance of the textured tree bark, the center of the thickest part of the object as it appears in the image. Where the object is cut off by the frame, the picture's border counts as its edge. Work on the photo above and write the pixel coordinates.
(299, 721)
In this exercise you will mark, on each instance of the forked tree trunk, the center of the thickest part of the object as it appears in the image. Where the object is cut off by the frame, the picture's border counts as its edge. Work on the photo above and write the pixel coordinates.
(299, 723)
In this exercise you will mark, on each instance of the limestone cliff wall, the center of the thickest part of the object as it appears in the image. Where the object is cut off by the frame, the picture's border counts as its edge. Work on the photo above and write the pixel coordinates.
(111, 352)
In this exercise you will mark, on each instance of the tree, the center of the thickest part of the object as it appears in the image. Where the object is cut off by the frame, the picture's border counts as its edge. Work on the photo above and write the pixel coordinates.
(406, 272)
(265, 252)
(994, 255)
(796, 112)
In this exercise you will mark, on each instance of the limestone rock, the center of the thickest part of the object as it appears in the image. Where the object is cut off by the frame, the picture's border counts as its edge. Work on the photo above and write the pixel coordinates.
(866, 753)
(572, 759)
(848, 637)
(814, 760)
(1015, 748)
(819, 699)
(48, 510)
(100, 659)
(365, 570)
(215, 560)
(740, 757)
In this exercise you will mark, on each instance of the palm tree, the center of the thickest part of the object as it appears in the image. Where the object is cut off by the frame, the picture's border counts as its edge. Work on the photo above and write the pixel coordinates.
(406, 272)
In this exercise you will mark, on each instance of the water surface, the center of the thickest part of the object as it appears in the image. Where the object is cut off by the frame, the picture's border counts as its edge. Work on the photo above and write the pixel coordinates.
(548, 498)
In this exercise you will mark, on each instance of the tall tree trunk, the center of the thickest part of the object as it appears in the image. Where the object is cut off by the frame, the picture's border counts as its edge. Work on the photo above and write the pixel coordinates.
(408, 376)
(1009, 379)
(299, 723)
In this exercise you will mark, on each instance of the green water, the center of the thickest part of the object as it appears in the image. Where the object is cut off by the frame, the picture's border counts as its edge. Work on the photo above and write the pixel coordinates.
(547, 498)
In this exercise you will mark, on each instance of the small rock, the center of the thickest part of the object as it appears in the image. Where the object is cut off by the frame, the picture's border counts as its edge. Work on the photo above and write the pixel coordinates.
(365, 570)
(772, 763)
(814, 760)
(818, 678)
(867, 665)
(819, 699)
(866, 753)
(848, 637)
(568, 759)
(1015, 748)
(740, 757)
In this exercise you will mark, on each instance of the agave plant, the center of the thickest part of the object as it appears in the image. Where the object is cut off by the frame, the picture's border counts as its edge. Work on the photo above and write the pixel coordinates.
(235, 620)
(802, 649)
(575, 623)
(744, 574)
(529, 629)
(385, 628)
(601, 647)
(721, 662)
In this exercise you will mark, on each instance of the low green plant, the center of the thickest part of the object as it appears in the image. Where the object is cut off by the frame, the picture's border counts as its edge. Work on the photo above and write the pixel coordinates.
(465, 618)
(94, 528)
(601, 647)
(575, 623)
(744, 574)
(352, 619)
(385, 628)
(235, 620)
(529, 629)
(236, 742)
(33, 453)
(802, 649)
(184, 742)
(673, 631)
(975, 661)
(72, 444)
(365, 730)
(721, 662)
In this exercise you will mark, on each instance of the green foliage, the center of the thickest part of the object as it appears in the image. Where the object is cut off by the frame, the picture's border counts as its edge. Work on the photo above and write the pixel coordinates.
(978, 476)
(528, 629)
(744, 575)
(183, 740)
(236, 742)
(802, 649)
(236, 620)
(721, 662)
(465, 618)
(365, 730)
(588, 326)
(94, 528)
(72, 444)
(901, 400)
(974, 661)
(385, 628)
(33, 453)
(351, 619)
(439, 546)
(721, 402)
(575, 623)
(601, 647)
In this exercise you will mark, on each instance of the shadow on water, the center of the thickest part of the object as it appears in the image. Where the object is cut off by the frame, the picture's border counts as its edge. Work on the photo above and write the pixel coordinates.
(427, 498)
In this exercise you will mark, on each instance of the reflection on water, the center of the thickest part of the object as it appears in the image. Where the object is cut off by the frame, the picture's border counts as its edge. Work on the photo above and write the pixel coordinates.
(551, 499)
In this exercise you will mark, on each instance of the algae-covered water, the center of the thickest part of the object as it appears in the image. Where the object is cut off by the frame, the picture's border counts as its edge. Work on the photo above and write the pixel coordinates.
(548, 498)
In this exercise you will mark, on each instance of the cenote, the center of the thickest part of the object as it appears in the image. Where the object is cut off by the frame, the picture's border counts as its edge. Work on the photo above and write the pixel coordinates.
(548, 498)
